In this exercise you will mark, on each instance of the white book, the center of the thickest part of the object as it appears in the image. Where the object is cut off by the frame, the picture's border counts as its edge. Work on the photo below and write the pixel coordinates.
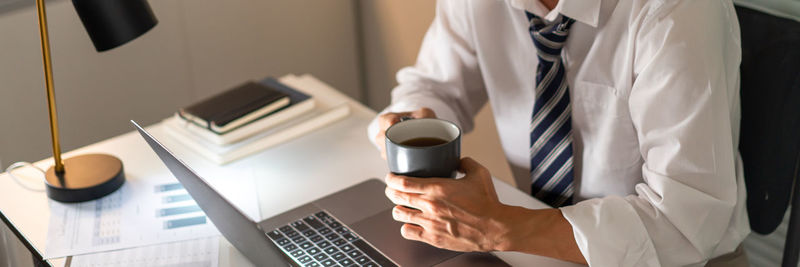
(330, 107)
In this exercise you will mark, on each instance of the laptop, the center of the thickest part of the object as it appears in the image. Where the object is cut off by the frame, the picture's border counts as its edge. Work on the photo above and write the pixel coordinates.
(352, 227)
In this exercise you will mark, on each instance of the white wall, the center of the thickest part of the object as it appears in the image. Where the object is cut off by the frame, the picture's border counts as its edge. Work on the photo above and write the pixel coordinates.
(199, 47)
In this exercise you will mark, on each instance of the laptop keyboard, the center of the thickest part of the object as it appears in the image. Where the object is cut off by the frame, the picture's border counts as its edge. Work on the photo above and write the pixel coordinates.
(322, 240)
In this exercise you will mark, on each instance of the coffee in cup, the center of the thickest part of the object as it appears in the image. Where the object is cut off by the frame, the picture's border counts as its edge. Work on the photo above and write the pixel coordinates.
(423, 148)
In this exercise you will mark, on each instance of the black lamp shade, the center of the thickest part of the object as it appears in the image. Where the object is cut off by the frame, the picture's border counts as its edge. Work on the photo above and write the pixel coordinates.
(111, 23)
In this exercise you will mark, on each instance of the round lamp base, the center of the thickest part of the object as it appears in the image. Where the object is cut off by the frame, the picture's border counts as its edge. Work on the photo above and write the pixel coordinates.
(85, 177)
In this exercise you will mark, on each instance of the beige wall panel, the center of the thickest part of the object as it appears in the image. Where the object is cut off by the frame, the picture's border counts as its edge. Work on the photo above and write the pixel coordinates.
(199, 47)
(234, 40)
(392, 33)
(97, 93)
(483, 144)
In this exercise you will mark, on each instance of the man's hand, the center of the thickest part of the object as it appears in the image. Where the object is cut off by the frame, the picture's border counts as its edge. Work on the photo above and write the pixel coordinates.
(466, 215)
(460, 215)
(389, 119)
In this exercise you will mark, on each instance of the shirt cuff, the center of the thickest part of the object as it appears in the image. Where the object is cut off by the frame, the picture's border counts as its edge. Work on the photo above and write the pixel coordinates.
(608, 232)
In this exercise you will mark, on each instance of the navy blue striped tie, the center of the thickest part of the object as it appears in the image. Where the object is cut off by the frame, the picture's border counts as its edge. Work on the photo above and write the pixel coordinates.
(551, 123)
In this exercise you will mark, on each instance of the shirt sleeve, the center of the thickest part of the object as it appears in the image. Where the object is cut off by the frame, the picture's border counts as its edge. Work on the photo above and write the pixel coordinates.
(684, 107)
(446, 77)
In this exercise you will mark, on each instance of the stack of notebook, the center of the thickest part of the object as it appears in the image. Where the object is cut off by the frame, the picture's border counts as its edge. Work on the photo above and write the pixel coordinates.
(264, 114)
(246, 103)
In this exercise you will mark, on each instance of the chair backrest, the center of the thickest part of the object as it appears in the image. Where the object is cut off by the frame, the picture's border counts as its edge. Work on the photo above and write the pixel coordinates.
(770, 126)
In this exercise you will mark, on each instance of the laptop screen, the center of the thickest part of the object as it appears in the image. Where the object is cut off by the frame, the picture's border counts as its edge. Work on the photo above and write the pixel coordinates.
(237, 228)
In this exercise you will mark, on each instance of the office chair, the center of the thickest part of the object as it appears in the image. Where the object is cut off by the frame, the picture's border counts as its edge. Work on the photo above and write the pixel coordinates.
(770, 127)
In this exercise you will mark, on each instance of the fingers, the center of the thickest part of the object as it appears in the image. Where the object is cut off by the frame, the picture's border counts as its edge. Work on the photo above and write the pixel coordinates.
(412, 232)
(423, 113)
(409, 215)
(426, 186)
(409, 200)
(384, 122)
(419, 229)
(418, 233)
(398, 198)
(405, 183)
(389, 119)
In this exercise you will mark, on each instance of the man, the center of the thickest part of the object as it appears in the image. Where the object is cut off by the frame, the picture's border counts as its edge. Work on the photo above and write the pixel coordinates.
(622, 114)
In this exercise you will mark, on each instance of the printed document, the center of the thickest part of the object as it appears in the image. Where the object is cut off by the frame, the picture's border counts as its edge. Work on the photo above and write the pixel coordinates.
(202, 252)
(142, 212)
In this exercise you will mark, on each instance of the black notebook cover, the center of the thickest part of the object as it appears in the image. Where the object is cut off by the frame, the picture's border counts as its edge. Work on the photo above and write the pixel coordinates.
(230, 105)
(294, 95)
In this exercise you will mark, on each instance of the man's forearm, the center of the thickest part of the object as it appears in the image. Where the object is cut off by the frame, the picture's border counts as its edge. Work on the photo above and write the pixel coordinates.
(542, 232)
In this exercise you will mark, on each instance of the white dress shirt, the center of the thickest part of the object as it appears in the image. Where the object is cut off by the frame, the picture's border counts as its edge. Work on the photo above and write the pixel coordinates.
(654, 87)
(789, 9)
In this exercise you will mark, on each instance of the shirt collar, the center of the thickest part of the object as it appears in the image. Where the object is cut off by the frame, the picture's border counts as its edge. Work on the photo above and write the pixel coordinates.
(585, 11)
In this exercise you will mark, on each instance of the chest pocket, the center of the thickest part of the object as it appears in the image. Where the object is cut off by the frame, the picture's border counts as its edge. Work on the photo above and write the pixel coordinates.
(603, 127)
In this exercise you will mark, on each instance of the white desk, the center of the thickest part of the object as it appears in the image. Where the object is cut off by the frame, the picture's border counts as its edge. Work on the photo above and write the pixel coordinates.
(320, 163)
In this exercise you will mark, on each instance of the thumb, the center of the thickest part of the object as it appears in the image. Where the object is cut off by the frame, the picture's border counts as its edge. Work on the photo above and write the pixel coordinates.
(476, 173)
(471, 167)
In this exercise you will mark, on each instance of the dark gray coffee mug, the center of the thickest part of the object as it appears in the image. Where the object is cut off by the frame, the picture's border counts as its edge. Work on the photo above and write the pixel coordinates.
(424, 161)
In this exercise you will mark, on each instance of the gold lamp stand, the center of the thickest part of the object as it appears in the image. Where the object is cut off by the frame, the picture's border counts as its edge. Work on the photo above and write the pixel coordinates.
(79, 178)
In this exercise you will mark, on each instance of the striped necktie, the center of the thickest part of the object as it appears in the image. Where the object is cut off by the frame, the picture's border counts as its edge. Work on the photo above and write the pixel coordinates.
(551, 123)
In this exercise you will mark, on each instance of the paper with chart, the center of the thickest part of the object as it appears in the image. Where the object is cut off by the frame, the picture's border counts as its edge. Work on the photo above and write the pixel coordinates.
(202, 252)
(142, 212)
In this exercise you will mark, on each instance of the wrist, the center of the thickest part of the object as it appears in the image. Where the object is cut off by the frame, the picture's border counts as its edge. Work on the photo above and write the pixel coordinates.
(524, 229)
(510, 230)
(543, 232)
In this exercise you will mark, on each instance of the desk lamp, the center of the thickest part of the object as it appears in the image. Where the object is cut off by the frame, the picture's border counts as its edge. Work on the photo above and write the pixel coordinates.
(110, 23)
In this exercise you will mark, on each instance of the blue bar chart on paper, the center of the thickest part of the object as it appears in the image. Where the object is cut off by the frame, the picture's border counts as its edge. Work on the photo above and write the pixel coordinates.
(176, 207)
(168, 187)
(143, 212)
(177, 198)
(178, 223)
(177, 210)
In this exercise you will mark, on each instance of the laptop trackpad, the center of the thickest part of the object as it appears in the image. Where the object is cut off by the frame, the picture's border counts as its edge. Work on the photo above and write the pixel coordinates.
(383, 232)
